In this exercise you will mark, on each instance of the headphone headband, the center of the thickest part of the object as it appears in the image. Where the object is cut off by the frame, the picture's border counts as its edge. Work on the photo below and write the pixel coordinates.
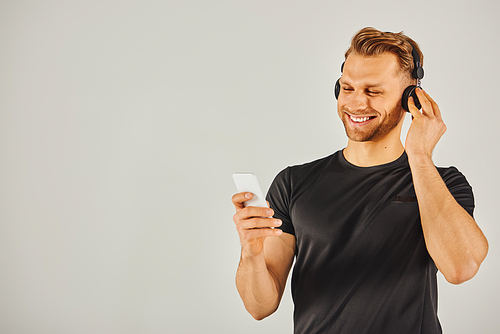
(414, 53)
(418, 71)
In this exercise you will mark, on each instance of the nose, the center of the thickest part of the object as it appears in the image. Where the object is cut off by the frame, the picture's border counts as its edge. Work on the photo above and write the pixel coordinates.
(355, 100)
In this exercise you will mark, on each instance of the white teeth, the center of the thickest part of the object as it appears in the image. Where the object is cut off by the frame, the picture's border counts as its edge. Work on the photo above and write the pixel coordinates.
(359, 119)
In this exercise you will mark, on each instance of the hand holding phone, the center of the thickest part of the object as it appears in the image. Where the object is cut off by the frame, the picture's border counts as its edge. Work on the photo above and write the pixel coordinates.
(255, 221)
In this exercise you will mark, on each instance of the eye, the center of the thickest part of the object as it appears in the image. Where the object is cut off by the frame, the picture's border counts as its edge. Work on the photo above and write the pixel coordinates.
(347, 89)
(373, 92)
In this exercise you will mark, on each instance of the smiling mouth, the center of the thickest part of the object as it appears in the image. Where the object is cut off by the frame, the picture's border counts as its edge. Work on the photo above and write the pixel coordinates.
(360, 119)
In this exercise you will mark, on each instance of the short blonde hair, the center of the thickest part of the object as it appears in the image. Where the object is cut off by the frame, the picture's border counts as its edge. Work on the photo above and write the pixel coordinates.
(371, 42)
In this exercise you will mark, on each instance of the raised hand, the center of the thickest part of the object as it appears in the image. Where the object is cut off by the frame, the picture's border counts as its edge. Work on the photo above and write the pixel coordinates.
(426, 128)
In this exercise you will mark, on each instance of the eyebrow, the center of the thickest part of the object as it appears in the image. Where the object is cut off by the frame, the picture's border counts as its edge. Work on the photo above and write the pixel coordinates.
(368, 85)
(371, 85)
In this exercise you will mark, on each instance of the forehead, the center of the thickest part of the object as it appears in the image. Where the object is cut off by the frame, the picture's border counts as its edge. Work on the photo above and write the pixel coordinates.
(383, 68)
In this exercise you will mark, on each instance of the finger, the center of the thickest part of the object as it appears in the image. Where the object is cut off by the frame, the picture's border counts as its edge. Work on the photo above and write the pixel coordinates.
(256, 223)
(239, 198)
(424, 102)
(415, 113)
(254, 212)
(251, 212)
(258, 211)
(435, 106)
(250, 235)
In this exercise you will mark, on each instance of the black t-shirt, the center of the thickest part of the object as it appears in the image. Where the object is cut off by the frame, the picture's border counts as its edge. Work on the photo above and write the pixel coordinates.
(361, 261)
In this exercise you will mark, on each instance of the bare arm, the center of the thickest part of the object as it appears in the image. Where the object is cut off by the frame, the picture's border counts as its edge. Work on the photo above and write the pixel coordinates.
(453, 239)
(266, 258)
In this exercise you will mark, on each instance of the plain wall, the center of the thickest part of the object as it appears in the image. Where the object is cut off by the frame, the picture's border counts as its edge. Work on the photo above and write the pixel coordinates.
(121, 123)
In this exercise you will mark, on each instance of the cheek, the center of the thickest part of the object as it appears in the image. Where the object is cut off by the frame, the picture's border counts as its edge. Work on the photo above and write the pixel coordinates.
(340, 106)
(343, 103)
(386, 105)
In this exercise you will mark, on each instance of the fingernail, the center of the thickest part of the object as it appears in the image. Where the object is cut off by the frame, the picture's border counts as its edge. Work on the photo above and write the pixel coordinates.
(270, 212)
(277, 222)
(248, 195)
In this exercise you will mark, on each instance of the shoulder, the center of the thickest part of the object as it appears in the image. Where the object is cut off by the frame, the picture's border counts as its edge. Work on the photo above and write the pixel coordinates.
(295, 176)
(295, 179)
(312, 167)
(452, 176)
(458, 186)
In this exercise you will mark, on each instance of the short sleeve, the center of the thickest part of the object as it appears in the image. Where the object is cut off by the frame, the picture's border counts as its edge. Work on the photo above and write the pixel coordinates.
(278, 196)
(459, 187)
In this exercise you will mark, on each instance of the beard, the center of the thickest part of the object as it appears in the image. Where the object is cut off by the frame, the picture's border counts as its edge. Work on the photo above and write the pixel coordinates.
(372, 131)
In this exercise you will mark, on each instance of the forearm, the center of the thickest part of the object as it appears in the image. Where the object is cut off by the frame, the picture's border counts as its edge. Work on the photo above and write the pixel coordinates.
(453, 239)
(257, 286)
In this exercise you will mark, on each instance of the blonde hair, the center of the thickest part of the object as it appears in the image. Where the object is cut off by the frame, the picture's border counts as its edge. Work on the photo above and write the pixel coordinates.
(372, 42)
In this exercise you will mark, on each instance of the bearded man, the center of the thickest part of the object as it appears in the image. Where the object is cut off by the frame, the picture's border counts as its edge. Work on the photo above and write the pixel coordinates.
(369, 226)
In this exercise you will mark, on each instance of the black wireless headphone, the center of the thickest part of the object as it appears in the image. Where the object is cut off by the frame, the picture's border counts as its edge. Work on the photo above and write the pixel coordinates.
(417, 73)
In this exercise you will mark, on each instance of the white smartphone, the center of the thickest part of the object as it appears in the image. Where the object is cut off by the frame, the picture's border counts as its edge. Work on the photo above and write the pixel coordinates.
(247, 182)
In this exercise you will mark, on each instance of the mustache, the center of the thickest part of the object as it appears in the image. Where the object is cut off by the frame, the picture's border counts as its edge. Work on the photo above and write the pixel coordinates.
(366, 111)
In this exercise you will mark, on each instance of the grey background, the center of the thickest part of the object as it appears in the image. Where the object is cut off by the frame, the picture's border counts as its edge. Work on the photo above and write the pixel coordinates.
(121, 123)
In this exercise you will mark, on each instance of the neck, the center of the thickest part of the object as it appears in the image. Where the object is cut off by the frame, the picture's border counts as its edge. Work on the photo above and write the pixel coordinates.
(371, 153)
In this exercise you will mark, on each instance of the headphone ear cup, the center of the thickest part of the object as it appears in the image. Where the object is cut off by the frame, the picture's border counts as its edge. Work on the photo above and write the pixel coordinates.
(337, 88)
(410, 91)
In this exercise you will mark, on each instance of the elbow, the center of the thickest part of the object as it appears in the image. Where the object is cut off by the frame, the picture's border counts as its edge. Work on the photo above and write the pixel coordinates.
(260, 312)
(462, 274)
(468, 270)
(260, 315)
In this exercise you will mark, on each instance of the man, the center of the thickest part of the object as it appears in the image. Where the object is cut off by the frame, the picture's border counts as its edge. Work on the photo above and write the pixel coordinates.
(370, 225)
